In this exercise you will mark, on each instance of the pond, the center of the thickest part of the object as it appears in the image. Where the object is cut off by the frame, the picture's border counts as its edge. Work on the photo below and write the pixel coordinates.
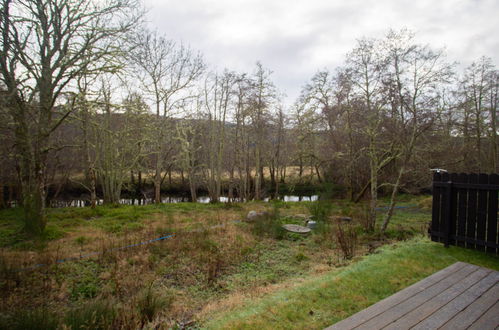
(78, 202)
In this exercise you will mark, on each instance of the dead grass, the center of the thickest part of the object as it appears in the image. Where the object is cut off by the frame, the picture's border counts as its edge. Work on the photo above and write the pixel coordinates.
(211, 264)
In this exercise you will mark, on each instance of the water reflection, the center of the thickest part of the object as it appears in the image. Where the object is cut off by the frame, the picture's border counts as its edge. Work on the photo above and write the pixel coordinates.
(175, 199)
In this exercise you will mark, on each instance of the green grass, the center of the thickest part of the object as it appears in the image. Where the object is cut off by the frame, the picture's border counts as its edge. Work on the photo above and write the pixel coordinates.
(207, 266)
(324, 300)
(109, 218)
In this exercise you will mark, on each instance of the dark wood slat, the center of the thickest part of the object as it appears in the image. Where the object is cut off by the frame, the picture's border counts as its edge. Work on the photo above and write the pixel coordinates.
(444, 314)
(435, 213)
(425, 310)
(462, 211)
(474, 311)
(445, 209)
(453, 210)
(492, 222)
(489, 320)
(469, 185)
(472, 204)
(470, 240)
(415, 301)
(395, 299)
(482, 211)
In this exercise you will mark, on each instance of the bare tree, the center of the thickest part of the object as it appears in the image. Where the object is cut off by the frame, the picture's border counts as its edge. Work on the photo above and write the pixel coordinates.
(188, 156)
(46, 45)
(367, 67)
(263, 96)
(166, 72)
(479, 107)
(413, 75)
(218, 93)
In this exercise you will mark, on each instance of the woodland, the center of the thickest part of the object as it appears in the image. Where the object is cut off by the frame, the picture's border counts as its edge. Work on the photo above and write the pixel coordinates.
(94, 100)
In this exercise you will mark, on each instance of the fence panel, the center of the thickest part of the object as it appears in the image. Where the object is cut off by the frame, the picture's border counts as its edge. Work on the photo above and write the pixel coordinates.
(464, 211)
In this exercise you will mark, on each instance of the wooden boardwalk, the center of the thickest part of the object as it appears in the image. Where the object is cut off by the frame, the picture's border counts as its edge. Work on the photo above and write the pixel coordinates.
(461, 296)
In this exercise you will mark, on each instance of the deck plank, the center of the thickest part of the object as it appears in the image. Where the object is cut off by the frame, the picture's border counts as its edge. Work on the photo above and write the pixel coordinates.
(447, 312)
(417, 300)
(429, 307)
(460, 296)
(473, 312)
(489, 320)
(395, 299)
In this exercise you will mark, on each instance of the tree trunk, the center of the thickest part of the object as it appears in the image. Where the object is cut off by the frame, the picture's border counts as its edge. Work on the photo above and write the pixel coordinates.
(389, 213)
(192, 186)
(157, 182)
(31, 163)
(2, 193)
(257, 172)
(374, 196)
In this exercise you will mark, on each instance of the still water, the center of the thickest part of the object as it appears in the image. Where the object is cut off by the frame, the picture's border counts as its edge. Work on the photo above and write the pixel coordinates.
(176, 199)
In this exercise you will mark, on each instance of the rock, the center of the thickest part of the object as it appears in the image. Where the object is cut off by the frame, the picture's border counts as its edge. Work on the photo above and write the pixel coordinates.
(311, 224)
(339, 218)
(254, 215)
(263, 214)
(296, 229)
(302, 216)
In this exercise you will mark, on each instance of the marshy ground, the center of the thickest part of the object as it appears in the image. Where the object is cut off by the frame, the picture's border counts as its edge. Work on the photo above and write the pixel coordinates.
(213, 264)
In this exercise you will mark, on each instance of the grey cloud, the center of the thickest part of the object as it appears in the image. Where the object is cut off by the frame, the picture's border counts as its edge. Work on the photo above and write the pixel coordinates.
(295, 39)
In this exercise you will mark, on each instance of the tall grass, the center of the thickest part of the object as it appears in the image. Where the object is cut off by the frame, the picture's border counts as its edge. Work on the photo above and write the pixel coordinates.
(150, 303)
(98, 314)
(269, 224)
(37, 319)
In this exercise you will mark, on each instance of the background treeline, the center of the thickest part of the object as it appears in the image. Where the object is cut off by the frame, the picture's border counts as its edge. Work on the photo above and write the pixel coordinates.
(90, 98)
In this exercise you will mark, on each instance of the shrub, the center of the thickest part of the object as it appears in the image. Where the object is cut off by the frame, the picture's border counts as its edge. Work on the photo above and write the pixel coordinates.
(81, 240)
(86, 285)
(320, 210)
(269, 224)
(300, 257)
(426, 203)
(30, 319)
(361, 214)
(149, 303)
(346, 237)
(99, 314)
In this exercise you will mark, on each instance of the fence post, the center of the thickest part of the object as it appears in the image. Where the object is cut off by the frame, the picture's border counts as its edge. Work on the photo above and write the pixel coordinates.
(447, 218)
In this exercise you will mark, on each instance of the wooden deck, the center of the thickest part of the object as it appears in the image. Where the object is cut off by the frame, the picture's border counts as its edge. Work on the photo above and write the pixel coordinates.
(461, 296)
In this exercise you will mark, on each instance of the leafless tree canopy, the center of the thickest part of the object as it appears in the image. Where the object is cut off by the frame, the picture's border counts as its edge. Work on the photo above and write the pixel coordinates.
(93, 101)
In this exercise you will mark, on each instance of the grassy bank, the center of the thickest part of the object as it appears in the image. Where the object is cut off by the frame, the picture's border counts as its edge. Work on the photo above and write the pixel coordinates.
(324, 300)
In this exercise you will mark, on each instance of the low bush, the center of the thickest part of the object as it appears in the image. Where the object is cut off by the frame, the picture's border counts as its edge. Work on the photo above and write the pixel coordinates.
(269, 224)
(346, 237)
(150, 302)
(86, 284)
(320, 210)
(98, 314)
(30, 319)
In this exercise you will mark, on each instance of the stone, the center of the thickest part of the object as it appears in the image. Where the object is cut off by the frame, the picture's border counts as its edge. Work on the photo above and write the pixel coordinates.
(296, 229)
(302, 216)
(252, 216)
(339, 218)
(311, 224)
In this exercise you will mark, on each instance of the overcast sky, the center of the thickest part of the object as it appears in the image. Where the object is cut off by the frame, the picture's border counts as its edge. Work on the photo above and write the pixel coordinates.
(294, 39)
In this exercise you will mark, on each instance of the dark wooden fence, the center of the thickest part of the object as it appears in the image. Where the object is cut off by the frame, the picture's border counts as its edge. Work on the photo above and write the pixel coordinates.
(465, 211)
